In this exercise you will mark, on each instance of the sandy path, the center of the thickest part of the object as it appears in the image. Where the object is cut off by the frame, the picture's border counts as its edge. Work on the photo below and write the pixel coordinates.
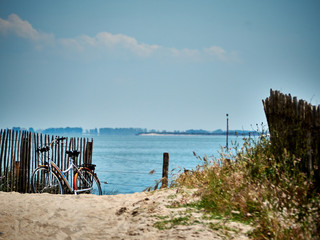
(129, 216)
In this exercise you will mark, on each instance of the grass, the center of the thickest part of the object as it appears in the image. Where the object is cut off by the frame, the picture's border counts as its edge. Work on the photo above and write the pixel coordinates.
(170, 223)
(255, 186)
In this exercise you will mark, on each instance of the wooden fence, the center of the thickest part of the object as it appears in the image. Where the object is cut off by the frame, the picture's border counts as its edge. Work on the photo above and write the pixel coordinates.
(294, 125)
(18, 156)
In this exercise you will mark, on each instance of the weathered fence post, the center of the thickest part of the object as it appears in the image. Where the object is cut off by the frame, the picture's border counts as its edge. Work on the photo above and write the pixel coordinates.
(165, 170)
(2, 136)
(88, 155)
(24, 163)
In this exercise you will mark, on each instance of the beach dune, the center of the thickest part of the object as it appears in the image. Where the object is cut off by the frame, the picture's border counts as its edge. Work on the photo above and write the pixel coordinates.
(151, 215)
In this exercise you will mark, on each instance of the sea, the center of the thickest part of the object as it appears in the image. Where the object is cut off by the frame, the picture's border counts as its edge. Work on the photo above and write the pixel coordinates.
(133, 163)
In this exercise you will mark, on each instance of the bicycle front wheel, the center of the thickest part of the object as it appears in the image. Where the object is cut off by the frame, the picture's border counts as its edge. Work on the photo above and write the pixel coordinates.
(43, 181)
(87, 182)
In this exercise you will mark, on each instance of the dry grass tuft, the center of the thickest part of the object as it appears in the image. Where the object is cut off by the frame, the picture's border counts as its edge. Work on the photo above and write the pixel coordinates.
(252, 186)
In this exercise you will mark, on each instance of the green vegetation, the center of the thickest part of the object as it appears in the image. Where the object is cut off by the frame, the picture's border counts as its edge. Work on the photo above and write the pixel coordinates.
(170, 223)
(253, 186)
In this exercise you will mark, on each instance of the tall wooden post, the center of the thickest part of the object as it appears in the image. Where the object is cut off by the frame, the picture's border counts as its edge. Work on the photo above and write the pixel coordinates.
(165, 170)
(227, 141)
(88, 157)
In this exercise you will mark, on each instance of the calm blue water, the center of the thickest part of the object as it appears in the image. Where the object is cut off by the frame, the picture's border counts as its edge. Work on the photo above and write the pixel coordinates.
(125, 161)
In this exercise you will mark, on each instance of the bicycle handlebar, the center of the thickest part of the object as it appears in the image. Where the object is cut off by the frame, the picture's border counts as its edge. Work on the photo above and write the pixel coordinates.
(47, 148)
(56, 140)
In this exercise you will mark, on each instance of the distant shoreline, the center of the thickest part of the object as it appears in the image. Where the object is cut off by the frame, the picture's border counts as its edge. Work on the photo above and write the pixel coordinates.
(169, 134)
(196, 134)
(137, 132)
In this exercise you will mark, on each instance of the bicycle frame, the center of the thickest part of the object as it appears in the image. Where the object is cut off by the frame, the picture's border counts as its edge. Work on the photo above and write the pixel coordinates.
(71, 184)
(72, 168)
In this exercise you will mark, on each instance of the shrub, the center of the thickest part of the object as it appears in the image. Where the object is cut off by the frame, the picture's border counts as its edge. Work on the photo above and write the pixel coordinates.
(254, 186)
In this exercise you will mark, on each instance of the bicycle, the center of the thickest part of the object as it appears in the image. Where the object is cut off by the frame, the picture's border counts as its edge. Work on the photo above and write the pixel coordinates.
(49, 178)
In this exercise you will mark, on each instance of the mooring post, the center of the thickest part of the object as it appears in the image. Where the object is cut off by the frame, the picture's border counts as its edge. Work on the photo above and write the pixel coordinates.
(227, 141)
(165, 170)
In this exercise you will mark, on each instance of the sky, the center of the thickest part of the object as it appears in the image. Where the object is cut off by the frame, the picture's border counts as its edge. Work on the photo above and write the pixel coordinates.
(165, 65)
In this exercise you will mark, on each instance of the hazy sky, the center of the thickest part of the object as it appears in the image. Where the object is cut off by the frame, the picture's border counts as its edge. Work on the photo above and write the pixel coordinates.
(175, 64)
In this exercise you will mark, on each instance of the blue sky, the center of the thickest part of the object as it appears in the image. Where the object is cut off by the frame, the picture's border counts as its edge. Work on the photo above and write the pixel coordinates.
(154, 64)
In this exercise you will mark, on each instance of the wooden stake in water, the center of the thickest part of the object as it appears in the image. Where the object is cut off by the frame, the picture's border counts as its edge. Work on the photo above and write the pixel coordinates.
(227, 131)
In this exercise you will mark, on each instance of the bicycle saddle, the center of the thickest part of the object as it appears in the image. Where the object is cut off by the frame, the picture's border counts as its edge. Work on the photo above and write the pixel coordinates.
(43, 149)
(73, 153)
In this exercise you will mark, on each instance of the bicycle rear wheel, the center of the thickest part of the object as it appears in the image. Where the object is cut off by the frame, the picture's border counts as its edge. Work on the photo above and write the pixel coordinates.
(87, 182)
(40, 182)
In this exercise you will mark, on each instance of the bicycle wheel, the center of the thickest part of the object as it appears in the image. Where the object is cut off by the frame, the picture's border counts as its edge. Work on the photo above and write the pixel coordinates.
(40, 182)
(87, 182)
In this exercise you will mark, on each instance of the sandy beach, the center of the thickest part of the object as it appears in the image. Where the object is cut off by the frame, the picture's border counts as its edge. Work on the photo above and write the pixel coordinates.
(154, 215)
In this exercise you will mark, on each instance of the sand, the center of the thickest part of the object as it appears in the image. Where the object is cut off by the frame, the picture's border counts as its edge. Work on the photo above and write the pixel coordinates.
(123, 216)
